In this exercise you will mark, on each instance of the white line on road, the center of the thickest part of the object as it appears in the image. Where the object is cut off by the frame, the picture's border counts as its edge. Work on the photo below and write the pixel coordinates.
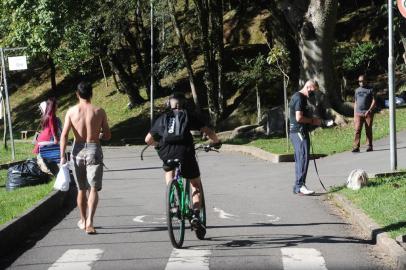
(272, 218)
(139, 219)
(188, 259)
(223, 214)
(302, 259)
(78, 259)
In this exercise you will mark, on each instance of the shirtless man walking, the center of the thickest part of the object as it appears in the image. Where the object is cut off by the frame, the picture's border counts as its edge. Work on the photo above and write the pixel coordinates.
(89, 125)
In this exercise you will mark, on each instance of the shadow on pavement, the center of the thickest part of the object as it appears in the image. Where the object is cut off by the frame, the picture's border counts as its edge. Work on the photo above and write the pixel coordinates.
(391, 227)
(134, 169)
(281, 240)
(70, 203)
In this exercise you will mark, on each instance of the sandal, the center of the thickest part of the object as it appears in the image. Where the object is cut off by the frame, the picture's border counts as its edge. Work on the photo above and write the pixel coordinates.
(90, 230)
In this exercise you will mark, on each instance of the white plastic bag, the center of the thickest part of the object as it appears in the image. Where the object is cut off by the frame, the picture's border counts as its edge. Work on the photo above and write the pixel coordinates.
(63, 178)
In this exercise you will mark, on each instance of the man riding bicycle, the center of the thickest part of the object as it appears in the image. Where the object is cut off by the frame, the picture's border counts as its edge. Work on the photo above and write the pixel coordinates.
(170, 134)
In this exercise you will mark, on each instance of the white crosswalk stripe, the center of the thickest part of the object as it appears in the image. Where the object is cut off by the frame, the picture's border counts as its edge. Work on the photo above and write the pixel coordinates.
(77, 259)
(189, 259)
(302, 259)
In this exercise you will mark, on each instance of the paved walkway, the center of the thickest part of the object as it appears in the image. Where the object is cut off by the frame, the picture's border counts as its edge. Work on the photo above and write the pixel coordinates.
(255, 222)
(335, 169)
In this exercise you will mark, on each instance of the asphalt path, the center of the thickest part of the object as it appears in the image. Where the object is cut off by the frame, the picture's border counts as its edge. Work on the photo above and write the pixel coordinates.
(254, 220)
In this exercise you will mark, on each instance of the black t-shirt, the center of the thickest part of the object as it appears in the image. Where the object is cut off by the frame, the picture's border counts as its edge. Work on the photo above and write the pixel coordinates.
(171, 151)
(298, 103)
(363, 98)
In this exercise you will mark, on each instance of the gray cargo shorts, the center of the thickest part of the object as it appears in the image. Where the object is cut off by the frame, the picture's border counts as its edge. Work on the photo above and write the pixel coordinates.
(87, 165)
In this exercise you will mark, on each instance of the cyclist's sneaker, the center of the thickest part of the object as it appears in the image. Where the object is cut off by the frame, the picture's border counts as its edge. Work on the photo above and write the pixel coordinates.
(195, 220)
(197, 226)
(201, 232)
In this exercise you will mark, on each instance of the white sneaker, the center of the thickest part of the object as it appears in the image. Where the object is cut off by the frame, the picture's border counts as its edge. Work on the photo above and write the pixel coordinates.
(304, 191)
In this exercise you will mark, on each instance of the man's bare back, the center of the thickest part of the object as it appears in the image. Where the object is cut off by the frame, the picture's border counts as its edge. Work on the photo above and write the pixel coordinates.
(87, 122)
(89, 125)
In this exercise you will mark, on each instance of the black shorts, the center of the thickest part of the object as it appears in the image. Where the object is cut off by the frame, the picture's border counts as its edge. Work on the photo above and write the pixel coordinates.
(189, 166)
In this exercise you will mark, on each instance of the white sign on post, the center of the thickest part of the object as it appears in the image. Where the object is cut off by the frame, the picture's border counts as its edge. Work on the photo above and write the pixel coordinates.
(17, 63)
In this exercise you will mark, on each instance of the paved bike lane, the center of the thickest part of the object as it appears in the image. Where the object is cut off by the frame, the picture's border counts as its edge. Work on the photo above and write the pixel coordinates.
(255, 222)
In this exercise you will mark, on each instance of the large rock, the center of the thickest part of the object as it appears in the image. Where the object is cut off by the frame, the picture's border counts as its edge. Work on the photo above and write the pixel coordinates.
(275, 121)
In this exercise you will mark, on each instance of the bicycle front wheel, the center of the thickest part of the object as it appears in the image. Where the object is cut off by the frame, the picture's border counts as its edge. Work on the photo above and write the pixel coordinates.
(174, 218)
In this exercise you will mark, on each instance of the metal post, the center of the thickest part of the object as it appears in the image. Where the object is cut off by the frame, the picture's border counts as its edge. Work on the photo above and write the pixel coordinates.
(391, 82)
(7, 103)
(285, 100)
(104, 73)
(152, 63)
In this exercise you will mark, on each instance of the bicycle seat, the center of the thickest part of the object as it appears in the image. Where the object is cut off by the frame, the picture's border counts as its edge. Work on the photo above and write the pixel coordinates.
(171, 164)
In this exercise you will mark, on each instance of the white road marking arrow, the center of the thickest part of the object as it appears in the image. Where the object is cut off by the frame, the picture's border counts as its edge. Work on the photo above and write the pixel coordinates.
(223, 214)
(272, 218)
(139, 219)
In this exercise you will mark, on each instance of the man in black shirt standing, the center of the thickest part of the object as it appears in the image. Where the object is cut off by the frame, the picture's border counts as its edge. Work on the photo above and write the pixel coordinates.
(300, 120)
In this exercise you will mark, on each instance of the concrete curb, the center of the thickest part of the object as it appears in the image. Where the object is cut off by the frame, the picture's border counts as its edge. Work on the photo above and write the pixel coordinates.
(15, 232)
(388, 174)
(262, 154)
(378, 236)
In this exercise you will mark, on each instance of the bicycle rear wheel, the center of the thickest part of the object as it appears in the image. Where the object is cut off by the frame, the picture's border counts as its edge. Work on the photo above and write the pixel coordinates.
(174, 218)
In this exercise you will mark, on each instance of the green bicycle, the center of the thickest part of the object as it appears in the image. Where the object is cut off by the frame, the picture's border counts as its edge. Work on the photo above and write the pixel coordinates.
(179, 205)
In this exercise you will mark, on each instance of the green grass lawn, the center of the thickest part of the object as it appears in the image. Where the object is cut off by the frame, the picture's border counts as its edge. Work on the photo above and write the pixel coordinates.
(331, 140)
(23, 150)
(384, 200)
(14, 203)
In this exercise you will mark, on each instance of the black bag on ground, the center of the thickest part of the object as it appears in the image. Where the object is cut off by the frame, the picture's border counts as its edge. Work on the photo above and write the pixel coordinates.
(25, 174)
(175, 124)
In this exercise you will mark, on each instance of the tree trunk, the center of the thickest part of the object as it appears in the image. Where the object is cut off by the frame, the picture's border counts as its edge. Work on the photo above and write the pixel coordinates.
(316, 23)
(259, 112)
(203, 16)
(402, 34)
(53, 73)
(143, 44)
(115, 78)
(186, 58)
(138, 57)
(316, 40)
(186, 7)
(128, 84)
(218, 49)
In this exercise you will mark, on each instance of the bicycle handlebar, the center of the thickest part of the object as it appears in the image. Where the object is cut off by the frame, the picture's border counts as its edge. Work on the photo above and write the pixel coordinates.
(204, 147)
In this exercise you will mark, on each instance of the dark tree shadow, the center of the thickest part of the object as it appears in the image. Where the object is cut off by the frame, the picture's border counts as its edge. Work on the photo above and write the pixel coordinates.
(6, 259)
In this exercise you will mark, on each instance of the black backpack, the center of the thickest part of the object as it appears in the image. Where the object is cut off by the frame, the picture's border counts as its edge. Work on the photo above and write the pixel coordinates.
(175, 123)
